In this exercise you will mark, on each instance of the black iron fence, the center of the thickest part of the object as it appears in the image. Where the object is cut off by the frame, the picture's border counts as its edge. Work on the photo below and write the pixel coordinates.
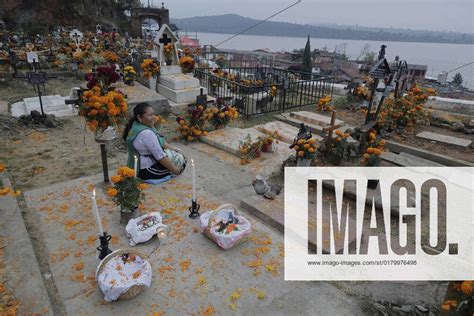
(257, 90)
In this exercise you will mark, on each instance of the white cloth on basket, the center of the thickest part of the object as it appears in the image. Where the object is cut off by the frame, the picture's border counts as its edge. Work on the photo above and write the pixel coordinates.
(225, 240)
(143, 228)
(118, 277)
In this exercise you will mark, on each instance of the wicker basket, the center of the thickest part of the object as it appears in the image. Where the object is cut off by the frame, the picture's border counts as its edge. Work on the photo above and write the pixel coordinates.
(207, 230)
(134, 290)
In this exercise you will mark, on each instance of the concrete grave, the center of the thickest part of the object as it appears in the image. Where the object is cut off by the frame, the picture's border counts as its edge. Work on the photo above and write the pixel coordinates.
(52, 104)
(286, 132)
(450, 140)
(314, 118)
(406, 160)
(228, 140)
(138, 93)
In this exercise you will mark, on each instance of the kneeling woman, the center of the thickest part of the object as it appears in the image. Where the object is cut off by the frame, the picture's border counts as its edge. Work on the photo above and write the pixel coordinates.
(158, 160)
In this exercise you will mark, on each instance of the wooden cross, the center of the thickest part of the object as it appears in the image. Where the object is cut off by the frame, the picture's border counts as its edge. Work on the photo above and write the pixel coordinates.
(165, 40)
(330, 129)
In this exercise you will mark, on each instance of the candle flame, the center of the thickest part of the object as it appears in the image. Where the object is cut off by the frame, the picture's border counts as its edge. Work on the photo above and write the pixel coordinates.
(93, 192)
(192, 161)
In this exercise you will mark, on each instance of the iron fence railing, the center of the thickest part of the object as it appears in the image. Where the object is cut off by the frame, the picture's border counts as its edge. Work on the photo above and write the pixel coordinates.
(257, 90)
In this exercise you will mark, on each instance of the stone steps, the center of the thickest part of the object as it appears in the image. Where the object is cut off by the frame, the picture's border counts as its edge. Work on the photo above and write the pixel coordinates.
(286, 118)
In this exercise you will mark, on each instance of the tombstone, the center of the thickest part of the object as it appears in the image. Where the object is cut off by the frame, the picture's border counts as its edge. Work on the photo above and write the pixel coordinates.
(95, 40)
(98, 29)
(165, 36)
(76, 36)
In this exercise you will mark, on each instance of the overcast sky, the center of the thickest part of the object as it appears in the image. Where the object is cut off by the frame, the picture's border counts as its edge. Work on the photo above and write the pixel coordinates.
(437, 15)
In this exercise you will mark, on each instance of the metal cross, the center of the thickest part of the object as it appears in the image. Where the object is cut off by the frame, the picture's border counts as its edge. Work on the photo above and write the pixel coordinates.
(165, 40)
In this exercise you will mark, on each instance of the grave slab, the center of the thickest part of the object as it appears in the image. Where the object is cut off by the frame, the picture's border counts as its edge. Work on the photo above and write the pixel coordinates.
(179, 81)
(406, 160)
(228, 140)
(138, 93)
(450, 140)
(52, 104)
(314, 118)
(3, 107)
(190, 273)
(170, 70)
(272, 212)
(286, 132)
(24, 278)
(180, 96)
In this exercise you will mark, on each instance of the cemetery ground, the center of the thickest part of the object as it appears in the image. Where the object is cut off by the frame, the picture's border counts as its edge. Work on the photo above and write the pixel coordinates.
(56, 167)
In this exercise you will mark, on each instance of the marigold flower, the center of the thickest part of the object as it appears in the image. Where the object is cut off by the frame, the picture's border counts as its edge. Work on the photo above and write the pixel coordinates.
(142, 186)
(2, 167)
(112, 192)
(116, 178)
(300, 153)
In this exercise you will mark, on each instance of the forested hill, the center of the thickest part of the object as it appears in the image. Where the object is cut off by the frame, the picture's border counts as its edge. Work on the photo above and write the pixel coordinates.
(233, 23)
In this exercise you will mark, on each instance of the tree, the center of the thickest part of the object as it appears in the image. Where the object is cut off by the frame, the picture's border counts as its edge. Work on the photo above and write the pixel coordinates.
(457, 80)
(307, 65)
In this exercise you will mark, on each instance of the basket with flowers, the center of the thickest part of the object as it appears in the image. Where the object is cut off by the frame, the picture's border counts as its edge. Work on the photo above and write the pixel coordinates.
(187, 64)
(101, 111)
(305, 151)
(126, 192)
(129, 74)
(150, 68)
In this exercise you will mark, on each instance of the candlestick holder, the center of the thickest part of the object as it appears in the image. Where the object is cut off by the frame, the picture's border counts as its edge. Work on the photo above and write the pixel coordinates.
(104, 246)
(194, 210)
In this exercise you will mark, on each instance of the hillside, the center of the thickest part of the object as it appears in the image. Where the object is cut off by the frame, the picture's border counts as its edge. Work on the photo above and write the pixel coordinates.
(233, 23)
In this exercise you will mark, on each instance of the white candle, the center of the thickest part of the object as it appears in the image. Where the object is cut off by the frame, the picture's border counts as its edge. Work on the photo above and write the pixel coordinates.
(194, 180)
(95, 210)
(135, 166)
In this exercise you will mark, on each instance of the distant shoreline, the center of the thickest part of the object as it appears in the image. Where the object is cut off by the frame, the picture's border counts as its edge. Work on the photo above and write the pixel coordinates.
(330, 38)
(233, 24)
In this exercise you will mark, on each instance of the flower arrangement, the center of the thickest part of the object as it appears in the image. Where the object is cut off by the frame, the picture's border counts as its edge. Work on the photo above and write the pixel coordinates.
(187, 64)
(103, 78)
(110, 56)
(361, 93)
(306, 148)
(168, 51)
(268, 140)
(102, 110)
(220, 117)
(129, 74)
(127, 190)
(192, 127)
(150, 68)
(375, 148)
(249, 149)
(405, 111)
(323, 104)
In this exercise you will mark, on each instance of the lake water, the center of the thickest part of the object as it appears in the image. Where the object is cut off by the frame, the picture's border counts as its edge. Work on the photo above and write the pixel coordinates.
(438, 57)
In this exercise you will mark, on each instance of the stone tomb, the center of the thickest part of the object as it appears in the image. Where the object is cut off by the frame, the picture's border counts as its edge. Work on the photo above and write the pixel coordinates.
(52, 104)
(173, 84)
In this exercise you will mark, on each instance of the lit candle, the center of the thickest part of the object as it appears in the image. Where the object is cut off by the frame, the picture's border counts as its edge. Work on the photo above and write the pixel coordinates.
(95, 210)
(135, 166)
(194, 180)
